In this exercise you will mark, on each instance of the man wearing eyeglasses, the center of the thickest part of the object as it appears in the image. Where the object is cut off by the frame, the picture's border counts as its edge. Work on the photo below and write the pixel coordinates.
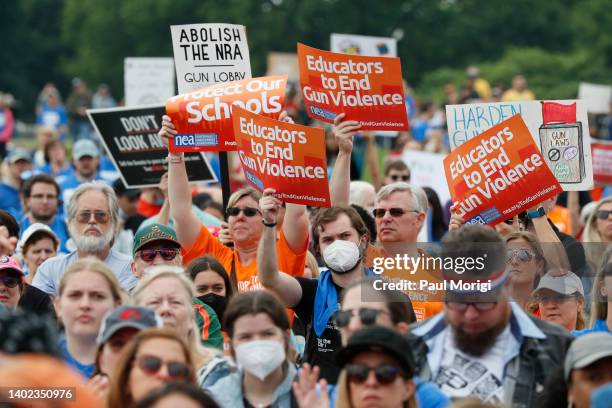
(41, 196)
(483, 344)
(155, 244)
(93, 224)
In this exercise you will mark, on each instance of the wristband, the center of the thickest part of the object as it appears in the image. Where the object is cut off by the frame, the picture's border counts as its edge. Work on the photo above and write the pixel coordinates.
(271, 225)
(176, 158)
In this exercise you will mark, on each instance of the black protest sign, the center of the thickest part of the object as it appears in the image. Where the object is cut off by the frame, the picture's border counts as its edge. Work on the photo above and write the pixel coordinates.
(131, 139)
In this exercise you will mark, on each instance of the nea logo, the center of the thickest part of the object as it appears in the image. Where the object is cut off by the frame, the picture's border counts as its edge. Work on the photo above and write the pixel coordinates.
(184, 140)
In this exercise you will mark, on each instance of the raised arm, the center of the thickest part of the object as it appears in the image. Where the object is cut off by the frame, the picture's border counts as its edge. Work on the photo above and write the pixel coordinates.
(372, 158)
(163, 217)
(186, 223)
(341, 173)
(285, 286)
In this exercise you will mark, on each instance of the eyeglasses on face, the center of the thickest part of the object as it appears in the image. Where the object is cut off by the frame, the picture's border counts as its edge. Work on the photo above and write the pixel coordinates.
(385, 373)
(399, 177)
(10, 281)
(463, 306)
(394, 212)
(521, 255)
(248, 211)
(167, 254)
(554, 298)
(101, 217)
(603, 214)
(151, 365)
(367, 316)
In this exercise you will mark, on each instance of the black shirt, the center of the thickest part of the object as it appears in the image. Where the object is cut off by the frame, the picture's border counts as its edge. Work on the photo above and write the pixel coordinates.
(319, 351)
(36, 301)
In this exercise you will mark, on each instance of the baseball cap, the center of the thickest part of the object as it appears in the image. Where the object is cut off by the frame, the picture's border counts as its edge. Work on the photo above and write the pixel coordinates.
(6, 262)
(567, 284)
(36, 228)
(121, 190)
(151, 233)
(127, 316)
(18, 154)
(380, 340)
(586, 350)
(84, 148)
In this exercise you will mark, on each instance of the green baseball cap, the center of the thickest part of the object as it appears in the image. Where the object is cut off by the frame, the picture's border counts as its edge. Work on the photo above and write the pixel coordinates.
(151, 233)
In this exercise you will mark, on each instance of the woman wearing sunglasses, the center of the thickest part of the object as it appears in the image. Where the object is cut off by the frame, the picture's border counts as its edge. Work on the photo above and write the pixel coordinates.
(526, 264)
(153, 358)
(598, 232)
(259, 331)
(560, 300)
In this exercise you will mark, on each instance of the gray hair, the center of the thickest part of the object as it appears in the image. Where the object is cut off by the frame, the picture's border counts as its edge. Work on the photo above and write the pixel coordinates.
(162, 271)
(111, 198)
(418, 199)
(358, 190)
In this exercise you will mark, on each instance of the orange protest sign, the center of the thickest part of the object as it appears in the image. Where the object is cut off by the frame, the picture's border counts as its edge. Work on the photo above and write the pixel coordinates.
(368, 89)
(203, 118)
(287, 157)
(498, 174)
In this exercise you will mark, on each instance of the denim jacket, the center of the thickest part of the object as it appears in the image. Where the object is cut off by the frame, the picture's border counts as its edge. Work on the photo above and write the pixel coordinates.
(534, 350)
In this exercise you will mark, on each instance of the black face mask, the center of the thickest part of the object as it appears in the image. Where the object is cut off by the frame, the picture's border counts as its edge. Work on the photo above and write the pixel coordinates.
(216, 302)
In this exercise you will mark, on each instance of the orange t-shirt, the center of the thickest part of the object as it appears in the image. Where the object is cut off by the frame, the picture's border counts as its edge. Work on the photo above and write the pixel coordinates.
(246, 275)
(425, 303)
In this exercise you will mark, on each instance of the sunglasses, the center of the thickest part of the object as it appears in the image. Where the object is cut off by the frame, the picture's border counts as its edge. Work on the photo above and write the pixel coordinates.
(556, 298)
(248, 211)
(603, 214)
(394, 212)
(509, 221)
(168, 254)
(101, 217)
(151, 365)
(10, 281)
(397, 177)
(462, 306)
(367, 316)
(385, 373)
(521, 255)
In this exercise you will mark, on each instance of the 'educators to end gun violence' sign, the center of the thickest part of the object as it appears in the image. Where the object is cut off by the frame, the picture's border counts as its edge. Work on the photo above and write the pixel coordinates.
(131, 139)
(498, 174)
(368, 89)
(203, 118)
(206, 54)
(287, 157)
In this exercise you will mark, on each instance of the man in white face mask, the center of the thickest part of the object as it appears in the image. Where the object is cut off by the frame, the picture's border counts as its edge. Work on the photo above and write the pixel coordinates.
(340, 237)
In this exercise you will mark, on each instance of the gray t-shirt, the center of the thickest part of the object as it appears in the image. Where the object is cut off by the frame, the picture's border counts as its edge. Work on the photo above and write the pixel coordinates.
(50, 272)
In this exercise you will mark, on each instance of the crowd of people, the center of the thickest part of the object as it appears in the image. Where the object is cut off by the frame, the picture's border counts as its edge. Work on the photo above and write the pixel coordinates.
(161, 297)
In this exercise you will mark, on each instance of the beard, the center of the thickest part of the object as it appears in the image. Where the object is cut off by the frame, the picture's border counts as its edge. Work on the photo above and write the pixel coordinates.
(43, 218)
(90, 244)
(478, 344)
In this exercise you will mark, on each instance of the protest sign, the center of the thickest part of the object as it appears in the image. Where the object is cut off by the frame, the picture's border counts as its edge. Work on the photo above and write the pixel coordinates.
(363, 45)
(283, 63)
(203, 118)
(602, 162)
(131, 140)
(148, 81)
(498, 174)
(287, 157)
(208, 54)
(425, 172)
(559, 128)
(368, 89)
(597, 98)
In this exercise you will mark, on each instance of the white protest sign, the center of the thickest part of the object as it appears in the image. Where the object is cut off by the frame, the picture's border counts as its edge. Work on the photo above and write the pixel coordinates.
(208, 54)
(283, 63)
(363, 45)
(426, 170)
(559, 128)
(596, 97)
(148, 81)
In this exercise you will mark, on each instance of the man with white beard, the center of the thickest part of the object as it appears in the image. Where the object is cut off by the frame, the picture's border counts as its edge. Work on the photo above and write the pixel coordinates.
(93, 224)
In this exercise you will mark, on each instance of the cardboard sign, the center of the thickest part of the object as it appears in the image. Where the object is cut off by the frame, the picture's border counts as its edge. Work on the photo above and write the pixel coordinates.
(207, 54)
(597, 98)
(498, 174)
(363, 45)
(203, 118)
(283, 63)
(602, 162)
(368, 89)
(425, 172)
(131, 140)
(287, 157)
(559, 128)
(148, 81)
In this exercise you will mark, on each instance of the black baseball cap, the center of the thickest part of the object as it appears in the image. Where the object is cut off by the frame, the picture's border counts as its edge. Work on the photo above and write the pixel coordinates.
(378, 339)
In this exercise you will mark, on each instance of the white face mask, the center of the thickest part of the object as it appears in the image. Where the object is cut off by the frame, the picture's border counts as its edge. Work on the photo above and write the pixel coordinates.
(260, 357)
(342, 256)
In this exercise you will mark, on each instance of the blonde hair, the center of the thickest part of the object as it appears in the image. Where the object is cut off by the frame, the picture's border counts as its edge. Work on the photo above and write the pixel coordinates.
(311, 263)
(202, 355)
(599, 305)
(91, 264)
(343, 399)
(244, 192)
(594, 252)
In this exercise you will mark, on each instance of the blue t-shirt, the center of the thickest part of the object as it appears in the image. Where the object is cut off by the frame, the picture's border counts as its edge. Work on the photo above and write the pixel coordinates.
(10, 200)
(52, 117)
(599, 326)
(85, 369)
